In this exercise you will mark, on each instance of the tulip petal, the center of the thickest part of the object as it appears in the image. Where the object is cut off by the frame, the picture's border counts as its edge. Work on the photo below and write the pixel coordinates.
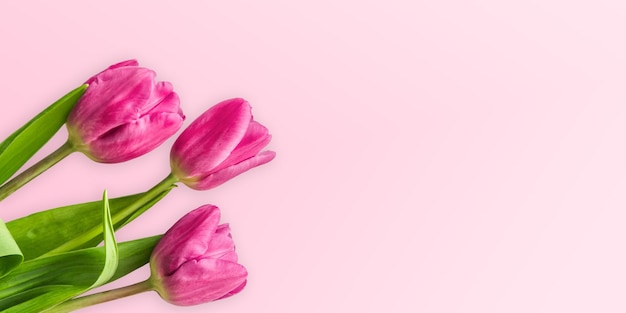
(131, 62)
(136, 138)
(255, 139)
(220, 177)
(126, 63)
(186, 240)
(203, 280)
(222, 245)
(162, 100)
(209, 140)
(110, 101)
(223, 229)
(235, 291)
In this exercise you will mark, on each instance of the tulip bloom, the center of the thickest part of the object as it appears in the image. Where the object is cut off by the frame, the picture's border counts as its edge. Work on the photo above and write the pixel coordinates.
(195, 261)
(222, 143)
(123, 114)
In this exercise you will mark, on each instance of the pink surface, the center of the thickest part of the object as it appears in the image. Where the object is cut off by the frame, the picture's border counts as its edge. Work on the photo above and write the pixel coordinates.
(432, 156)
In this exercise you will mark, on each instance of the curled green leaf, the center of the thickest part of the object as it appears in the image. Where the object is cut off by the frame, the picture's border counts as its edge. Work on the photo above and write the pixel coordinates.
(10, 254)
(110, 245)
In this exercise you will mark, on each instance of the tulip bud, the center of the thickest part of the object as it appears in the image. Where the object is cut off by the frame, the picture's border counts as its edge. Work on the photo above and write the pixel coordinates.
(195, 261)
(123, 114)
(222, 143)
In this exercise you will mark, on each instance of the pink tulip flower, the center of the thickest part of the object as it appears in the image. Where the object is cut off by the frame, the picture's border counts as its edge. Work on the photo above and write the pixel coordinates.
(222, 143)
(195, 261)
(123, 114)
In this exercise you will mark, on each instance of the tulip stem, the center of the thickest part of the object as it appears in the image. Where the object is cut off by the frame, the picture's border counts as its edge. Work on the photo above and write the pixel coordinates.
(29, 174)
(129, 213)
(162, 186)
(101, 297)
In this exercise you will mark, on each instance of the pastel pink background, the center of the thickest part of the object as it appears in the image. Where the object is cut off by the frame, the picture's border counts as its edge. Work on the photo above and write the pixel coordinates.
(433, 156)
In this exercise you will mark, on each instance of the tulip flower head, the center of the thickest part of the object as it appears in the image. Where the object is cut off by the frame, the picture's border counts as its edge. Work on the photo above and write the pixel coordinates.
(222, 143)
(195, 261)
(123, 114)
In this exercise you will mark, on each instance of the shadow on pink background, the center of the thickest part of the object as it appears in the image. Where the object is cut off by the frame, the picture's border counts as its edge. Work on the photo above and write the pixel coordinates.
(433, 156)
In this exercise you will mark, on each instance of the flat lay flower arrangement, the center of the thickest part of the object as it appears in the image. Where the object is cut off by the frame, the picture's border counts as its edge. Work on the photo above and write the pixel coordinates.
(50, 259)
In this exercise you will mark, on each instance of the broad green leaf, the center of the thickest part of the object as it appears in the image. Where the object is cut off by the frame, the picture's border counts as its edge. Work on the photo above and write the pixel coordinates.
(45, 282)
(62, 271)
(20, 146)
(45, 231)
(39, 299)
(10, 254)
(81, 267)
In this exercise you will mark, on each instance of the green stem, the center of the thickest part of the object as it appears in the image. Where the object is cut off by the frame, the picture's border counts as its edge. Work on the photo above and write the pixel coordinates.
(34, 171)
(97, 298)
(162, 186)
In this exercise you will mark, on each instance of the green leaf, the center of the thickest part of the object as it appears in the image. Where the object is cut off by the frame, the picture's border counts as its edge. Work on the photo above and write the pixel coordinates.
(39, 299)
(50, 280)
(45, 282)
(81, 267)
(42, 232)
(10, 254)
(20, 146)
(110, 246)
